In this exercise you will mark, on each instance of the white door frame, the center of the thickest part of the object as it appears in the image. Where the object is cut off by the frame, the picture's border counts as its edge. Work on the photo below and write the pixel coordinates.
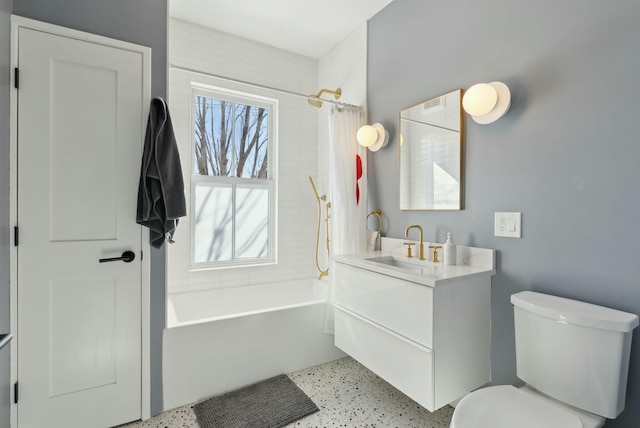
(18, 22)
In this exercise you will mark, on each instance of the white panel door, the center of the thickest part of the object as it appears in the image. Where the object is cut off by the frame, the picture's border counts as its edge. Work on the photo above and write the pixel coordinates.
(80, 131)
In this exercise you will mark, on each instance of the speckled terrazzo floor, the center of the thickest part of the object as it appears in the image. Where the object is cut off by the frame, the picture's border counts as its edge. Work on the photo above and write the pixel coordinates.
(348, 395)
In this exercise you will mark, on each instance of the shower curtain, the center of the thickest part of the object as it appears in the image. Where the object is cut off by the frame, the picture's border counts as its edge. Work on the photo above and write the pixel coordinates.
(348, 189)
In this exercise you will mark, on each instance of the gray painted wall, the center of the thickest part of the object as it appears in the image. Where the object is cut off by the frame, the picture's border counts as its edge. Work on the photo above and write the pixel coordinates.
(567, 155)
(143, 22)
(5, 357)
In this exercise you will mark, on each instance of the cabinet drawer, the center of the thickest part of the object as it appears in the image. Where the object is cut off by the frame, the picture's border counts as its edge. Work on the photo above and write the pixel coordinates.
(402, 306)
(404, 364)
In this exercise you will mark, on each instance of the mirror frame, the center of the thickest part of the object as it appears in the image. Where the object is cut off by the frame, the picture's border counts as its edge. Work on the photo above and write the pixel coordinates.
(461, 154)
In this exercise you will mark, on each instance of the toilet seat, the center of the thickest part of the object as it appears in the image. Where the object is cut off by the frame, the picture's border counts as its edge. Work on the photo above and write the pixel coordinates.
(506, 406)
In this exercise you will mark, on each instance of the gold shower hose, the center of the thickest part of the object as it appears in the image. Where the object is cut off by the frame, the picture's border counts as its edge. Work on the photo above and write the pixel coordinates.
(325, 272)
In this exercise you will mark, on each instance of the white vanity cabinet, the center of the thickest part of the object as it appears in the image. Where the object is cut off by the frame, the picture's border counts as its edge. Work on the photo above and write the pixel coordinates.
(430, 338)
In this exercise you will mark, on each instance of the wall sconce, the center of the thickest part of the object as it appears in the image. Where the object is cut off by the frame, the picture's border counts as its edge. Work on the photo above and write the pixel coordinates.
(374, 137)
(487, 102)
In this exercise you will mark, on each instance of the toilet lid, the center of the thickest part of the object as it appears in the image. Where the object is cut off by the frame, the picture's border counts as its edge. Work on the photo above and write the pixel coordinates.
(506, 406)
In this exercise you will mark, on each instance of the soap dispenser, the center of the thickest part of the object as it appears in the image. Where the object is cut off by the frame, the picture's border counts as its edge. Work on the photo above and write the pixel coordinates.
(449, 251)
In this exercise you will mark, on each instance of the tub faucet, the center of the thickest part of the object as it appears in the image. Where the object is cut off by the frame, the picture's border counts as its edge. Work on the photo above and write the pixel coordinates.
(421, 248)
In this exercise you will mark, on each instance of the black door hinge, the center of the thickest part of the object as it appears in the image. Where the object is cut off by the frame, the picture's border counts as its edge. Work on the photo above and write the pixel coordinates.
(16, 78)
(15, 393)
(16, 235)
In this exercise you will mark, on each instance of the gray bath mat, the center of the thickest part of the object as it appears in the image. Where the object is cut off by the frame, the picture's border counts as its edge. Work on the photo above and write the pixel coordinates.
(272, 403)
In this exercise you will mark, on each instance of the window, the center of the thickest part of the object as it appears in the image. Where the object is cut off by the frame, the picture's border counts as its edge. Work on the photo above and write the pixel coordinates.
(232, 180)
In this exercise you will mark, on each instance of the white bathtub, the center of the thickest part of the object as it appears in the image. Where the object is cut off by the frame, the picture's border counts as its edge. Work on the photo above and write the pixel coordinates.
(220, 340)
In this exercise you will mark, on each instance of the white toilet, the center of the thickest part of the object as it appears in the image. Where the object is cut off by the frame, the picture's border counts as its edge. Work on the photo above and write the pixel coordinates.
(574, 359)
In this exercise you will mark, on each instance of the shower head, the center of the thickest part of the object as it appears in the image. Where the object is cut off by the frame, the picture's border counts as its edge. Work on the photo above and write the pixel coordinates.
(315, 100)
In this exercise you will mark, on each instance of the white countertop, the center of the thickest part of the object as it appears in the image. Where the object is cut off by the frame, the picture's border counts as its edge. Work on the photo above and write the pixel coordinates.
(471, 262)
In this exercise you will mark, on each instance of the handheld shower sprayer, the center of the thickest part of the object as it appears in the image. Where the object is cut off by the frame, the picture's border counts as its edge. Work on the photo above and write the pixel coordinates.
(318, 197)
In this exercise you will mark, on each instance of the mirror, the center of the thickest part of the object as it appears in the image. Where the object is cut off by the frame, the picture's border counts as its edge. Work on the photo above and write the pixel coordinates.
(431, 154)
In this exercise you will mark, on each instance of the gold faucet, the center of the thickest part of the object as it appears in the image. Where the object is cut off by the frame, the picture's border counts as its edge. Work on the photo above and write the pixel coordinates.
(421, 248)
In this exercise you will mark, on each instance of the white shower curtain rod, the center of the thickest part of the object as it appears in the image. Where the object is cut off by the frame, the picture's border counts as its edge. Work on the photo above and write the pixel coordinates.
(295, 94)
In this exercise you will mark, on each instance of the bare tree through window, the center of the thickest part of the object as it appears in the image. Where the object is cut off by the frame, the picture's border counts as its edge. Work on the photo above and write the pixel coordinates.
(231, 139)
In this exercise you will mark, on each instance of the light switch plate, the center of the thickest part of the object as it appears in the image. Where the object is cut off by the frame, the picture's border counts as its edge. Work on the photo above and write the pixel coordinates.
(508, 225)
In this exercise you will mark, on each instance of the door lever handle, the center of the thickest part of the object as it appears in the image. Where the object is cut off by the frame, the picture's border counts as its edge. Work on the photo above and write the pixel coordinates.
(4, 339)
(127, 257)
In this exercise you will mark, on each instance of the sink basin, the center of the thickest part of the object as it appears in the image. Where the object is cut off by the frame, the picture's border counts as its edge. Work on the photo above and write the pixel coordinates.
(418, 267)
(393, 261)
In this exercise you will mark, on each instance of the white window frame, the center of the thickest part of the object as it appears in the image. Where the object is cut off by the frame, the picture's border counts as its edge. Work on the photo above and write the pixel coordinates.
(270, 183)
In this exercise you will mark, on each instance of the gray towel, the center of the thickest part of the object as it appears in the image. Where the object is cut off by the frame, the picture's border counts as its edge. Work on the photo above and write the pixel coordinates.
(161, 198)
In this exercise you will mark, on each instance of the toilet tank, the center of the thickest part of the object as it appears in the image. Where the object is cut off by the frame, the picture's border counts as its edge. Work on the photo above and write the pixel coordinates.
(573, 351)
